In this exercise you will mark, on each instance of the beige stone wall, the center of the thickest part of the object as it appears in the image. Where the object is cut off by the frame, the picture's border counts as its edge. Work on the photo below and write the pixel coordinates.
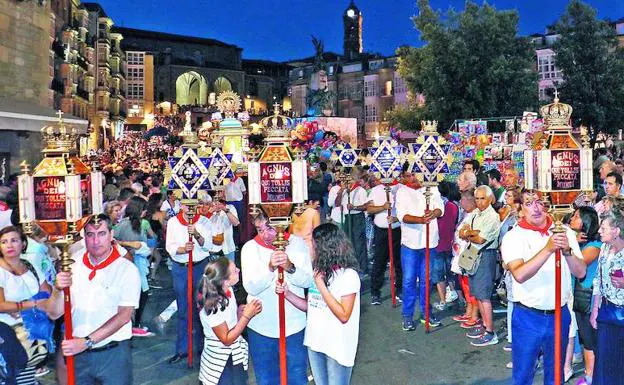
(24, 50)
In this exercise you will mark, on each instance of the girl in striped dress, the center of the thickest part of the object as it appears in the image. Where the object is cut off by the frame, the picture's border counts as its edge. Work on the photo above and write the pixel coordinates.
(225, 357)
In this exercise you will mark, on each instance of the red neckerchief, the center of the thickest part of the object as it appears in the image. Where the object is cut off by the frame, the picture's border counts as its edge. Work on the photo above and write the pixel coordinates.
(228, 293)
(114, 255)
(414, 186)
(234, 178)
(183, 221)
(394, 183)
(354, 186)
(543, 231)
(260, 241)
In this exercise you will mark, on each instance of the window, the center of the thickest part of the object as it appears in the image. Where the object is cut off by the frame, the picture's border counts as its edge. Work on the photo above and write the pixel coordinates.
(370, 113)
(135, 91)
(135, 73)
(387, 91)
(370, 88)
(135, 58)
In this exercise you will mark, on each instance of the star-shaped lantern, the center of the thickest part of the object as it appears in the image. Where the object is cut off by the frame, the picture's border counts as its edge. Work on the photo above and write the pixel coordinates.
(386, 158)
(345, 155)
(429, 155)
(219, 169)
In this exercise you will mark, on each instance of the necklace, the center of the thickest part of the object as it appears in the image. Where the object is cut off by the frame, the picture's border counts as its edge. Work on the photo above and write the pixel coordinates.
(12, 268)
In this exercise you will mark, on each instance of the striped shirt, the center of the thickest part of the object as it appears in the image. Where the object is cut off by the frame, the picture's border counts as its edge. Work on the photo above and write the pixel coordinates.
(215, 354)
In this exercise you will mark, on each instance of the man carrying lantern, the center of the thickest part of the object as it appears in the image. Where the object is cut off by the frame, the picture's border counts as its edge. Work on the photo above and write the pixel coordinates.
(105, 290)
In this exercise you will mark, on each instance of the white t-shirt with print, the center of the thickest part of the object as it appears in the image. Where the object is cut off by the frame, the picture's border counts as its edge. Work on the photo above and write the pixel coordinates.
(324, 332)
(18, 288)
(228, 315)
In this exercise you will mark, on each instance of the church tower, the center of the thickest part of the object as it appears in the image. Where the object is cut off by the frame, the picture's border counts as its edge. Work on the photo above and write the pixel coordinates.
(352, 20)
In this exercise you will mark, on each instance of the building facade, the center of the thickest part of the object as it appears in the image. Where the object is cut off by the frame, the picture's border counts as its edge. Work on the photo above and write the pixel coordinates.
(140, 89)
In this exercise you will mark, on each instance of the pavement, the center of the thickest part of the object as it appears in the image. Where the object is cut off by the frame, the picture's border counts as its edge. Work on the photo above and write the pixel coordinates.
(386, 354)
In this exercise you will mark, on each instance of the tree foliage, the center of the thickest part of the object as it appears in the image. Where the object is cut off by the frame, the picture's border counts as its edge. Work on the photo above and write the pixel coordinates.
(592, 67)
(472, 65)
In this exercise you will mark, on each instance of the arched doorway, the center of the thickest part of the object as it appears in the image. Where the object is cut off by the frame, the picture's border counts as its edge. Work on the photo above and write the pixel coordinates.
(191, 88)
(222, 84)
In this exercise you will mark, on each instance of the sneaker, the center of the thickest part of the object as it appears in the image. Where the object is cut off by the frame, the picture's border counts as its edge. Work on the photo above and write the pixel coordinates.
(485, 340)
(398, 299)
(408, 325)
(470, 324)
(375, 300)
(433, 322)
(141, 332)
(461, 318)
(507, 348)
(476, 332)
(451, 295)
(584, 381)
(439, 306)
(509, 365)
(42, 371)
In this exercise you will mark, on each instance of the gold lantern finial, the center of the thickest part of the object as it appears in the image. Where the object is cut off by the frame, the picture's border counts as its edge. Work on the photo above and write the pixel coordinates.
(59, 138)
(429, 126)
(556, 115)
(276, 125)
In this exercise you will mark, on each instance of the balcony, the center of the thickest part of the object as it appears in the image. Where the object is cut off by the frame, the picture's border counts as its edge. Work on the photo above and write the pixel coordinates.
(82, 62)
(81, 92)
(58, 86)
(58, 49)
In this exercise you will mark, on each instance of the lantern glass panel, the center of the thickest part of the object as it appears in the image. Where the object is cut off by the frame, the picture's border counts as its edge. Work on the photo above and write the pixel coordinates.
(276, 182)
(50, 197)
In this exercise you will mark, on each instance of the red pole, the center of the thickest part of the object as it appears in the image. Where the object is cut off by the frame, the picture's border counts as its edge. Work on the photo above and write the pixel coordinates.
(390, 249)
(558, 317)
(282, 330)
(427, 251)
(189, 301)
(69, 331)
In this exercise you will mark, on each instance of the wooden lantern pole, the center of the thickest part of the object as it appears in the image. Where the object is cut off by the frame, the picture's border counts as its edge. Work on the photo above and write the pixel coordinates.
(189, 289)
(280, 244)
(66, 263)
(387, 188)
(427, 259)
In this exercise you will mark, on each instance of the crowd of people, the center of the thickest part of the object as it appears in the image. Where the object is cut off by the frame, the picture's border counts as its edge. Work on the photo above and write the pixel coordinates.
(489, 245)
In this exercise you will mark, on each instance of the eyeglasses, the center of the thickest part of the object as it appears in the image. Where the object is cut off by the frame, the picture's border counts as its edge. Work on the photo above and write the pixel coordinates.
(265, 229)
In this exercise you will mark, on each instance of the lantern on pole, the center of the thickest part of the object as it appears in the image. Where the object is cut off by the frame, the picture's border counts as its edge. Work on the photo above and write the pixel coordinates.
(59, 196)
(386, 159)
(429, 161)
(560, 168)
(187, 174)
(346, 157)
(278, 186)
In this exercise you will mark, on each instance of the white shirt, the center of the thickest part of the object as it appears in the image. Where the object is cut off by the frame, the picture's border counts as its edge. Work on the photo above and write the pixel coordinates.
(538, 291)
(336, 213)
(259, 282)
(18, 288)
(234, 190)
(171, 211)
(358, 197)
(177, 236)
(96, 301)
(377, 195)
(412, 202)
(488, 224)
(215, 353)
(324, 332)
(220, 223)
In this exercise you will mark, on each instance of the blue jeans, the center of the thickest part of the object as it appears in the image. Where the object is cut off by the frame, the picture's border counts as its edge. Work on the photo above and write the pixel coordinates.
(179, 274)
(238, 205)
(413, 264)
(534, 333)
(264, 353)
(327, 371)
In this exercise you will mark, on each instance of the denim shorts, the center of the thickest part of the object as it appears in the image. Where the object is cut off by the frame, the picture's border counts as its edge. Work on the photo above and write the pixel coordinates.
(441, 266)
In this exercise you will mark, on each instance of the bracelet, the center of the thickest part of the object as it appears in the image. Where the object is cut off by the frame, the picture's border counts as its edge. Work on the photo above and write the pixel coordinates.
(19, 306)
(244, 316)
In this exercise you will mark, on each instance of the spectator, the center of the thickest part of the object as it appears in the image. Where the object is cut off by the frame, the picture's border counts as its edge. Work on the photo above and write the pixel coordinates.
(494, 181)
(234, 195)
(482, 233)
(441, 265)
(612, 186)
(607, 315)
(467, 182)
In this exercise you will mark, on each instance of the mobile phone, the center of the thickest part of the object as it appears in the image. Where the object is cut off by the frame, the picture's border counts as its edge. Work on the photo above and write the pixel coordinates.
(617, 273)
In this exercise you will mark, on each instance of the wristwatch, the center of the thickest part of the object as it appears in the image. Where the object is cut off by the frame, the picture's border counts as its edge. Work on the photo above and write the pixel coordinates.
(292, 269)
(89, 342)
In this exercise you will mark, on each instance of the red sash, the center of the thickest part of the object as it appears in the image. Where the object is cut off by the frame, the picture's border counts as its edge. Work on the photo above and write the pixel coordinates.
(183, 221)
(114, 255)
(354, 186)
(259, 240)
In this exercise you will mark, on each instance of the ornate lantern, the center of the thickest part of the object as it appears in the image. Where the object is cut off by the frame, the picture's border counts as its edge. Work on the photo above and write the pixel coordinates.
(60, 195)
(560, 168)
(346, 157)
(187, 174)
(429, 161)
(386, 159)
(277, 177)
(231, 136)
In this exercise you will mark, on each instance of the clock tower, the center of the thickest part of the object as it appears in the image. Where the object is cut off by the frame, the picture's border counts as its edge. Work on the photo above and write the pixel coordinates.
(352, 20)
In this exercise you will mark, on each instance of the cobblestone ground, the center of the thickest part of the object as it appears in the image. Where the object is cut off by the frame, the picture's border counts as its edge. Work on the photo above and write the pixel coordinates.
(386, 354)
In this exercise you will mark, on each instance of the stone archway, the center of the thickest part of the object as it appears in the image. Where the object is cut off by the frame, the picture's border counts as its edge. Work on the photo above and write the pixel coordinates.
(191, 88)
(222, 84)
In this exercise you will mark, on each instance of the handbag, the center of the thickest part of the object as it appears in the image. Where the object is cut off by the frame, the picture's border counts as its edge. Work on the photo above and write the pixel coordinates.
(471, 257)
(582, 299)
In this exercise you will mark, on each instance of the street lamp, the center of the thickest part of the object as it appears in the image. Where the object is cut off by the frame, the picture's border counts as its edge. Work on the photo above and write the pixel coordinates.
(386, 163)
(560, 168)
(60, 195)
(429, 161)
(278, 185)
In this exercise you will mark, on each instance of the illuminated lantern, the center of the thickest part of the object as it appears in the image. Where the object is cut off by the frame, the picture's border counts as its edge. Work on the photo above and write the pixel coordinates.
(60, 195)
(277, 177)
(232, 137)
(560, 168)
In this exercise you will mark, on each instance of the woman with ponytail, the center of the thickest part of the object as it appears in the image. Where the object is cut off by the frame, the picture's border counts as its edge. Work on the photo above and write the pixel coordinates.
(225, 357)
